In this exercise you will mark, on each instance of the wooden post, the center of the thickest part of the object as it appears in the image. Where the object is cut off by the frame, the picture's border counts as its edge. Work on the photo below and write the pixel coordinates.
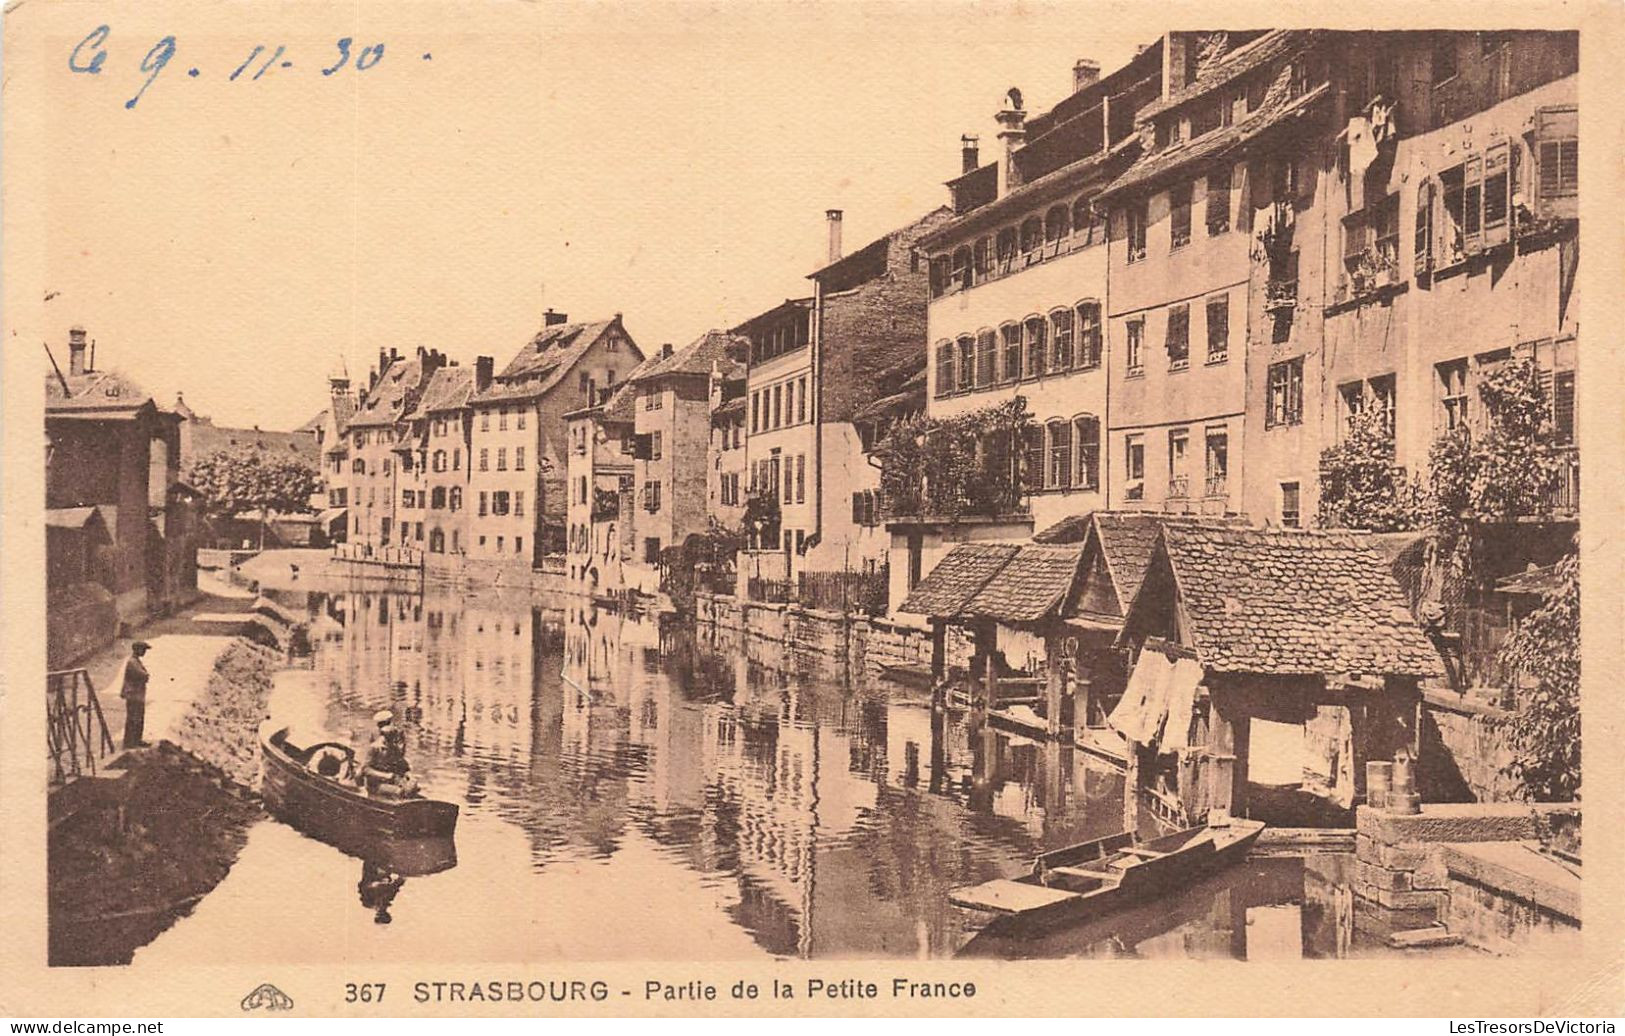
(1131, 788)
(987, 643)
(1227, 751)
(1054, 684)
(1080, 706)
(939, 649)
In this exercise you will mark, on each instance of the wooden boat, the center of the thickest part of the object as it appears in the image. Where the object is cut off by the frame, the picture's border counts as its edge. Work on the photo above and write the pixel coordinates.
(1091, 879)
(336, 810)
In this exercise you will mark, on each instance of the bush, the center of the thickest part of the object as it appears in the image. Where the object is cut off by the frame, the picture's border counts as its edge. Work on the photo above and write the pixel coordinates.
(1545, 653)
(1360, 487)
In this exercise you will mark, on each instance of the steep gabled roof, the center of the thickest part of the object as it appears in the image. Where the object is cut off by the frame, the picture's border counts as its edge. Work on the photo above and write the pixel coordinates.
(106, 393)
(448, 389)
(1033, 585)
(385, 402)
(1125, 540)
(696, 357)
(1289, 602)
(547, 359)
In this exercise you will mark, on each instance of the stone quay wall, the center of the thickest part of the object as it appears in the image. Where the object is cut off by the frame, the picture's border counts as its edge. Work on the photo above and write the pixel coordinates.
(1465, 751)
(1439, 867)
(865, 645)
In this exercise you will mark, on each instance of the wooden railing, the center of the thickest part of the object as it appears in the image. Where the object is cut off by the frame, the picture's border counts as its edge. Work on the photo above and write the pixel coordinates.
(76, 733)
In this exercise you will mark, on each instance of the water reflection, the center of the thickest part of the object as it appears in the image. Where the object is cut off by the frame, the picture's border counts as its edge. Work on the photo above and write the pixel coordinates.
(629, 791)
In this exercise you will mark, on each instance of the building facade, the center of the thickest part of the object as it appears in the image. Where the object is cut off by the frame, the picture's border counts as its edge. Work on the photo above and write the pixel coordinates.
(376, 511)
(439, 435)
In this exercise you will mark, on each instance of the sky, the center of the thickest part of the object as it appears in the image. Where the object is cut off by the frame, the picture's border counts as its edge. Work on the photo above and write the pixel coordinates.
(239, 240)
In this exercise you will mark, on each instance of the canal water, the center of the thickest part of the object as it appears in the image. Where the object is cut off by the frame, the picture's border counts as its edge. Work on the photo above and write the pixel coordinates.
(634, 793)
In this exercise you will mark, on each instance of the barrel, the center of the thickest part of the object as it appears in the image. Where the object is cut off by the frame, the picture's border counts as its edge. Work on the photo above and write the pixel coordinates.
(1378, 782)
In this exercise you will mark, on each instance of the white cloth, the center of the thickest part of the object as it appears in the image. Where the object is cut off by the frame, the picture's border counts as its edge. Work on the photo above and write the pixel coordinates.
(1183, 681)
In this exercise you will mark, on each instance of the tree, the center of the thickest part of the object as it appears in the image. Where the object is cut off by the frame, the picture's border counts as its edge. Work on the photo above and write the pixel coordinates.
(1360, 487)
(1544, 651)
(235, 481)
(1509, 465)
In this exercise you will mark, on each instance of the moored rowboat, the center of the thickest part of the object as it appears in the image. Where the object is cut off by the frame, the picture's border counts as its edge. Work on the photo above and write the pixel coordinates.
(334, 809)
(1091, 879)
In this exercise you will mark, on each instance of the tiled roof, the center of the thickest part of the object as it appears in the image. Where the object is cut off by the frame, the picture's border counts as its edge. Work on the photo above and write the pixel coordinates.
(448, 389)
(734, 407)
(1032, 584)
(207, 438)
(694, 358)
(95, 391)
(1152, 167)
(1275, 601)
(1127, 539)
(544, 361)
(1273, 45)
(383, 404)
(958, 578)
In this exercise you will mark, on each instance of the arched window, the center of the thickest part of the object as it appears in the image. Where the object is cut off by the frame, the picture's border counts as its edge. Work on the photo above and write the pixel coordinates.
(1059, 475)
(1061, 340)
(1086, 444)
(961, 271)
(437, 541)
(1011, 335)
(987, 346)
(1035, 346)
(1083, 222)
(1032, 235)
(939, 275)
(1057, 224)
(945, 368)
(982, 258)
(456, 498)
(967, 362)
(440, 460)
(1088, 329)
(1005, 249)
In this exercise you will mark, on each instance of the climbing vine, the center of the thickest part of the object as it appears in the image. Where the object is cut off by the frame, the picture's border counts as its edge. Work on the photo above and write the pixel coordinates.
(1544, 650)
(970, 463)
(1360, 486)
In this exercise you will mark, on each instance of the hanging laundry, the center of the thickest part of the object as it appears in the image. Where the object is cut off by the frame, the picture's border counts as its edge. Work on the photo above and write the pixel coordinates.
(1383, 129)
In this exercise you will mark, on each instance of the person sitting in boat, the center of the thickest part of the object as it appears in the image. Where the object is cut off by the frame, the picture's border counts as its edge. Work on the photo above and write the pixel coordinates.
(387, 773)
(332, 761)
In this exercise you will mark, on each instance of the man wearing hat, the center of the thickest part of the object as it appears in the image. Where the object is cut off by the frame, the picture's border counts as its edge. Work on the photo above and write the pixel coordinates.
(387, 772)
(134, 694)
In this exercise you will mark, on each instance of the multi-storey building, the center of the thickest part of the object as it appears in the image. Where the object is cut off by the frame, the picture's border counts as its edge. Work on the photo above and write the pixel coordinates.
(517, 486)
(779, 425)
(438, 437)
(727, 474)
(600, 480)
(1018, 304)
(328, 430)
(373, 431)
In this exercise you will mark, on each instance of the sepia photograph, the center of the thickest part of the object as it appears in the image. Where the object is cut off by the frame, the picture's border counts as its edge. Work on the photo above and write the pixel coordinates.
(691, 485)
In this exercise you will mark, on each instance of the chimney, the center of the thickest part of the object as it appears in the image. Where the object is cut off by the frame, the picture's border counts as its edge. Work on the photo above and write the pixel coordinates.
(833, 218)
(483, 367)
(551, 319)
(665, 348)
(1013, 135)
(968, 160)
(1085, 73)
(76, 351)
(383, 362)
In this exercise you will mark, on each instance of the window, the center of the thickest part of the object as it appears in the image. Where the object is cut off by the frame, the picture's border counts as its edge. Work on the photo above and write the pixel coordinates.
(651, 550)
(1032, 461)
(1218, 329)
(945, 368)
(519, 458)
(1218, 463)
(502, 414)
(1205, 118)
(1134, 217)
(1086, 441)
(801, 401)
(1179, 218)
(960, 275)
(982, 258)
(789, 482)
(483, 510)
(1035, 346)
(1563, 407)
(1179, 337)
(387, 465)
(1012, 351)
(519, 503)
(1383, 396)
(456, 498)
(1134, 349)
(1557, 157)
(485, 420)
(500, 540)
(1290, 504)
(1452, 394)
(1057, 227)
(1060, 455)
(986, 358)
(1061, 340)
(1089, 344)
(1032, 235)
(1179, 441)
(518, 544)
(1286, 393)
(439, 460)
(519, 414)
(499, 502)
(502, 458)
(967, 363)
(1005, 249)
(779, 409)
(358, 467)
(484, 459)
(1218, 201)
(1084, 226)
(1371, 244)
(651, 497)
(1423, 257)
(456, 460)
(801, 478)
(1134, 467)
(1352, 397)
(406, 498)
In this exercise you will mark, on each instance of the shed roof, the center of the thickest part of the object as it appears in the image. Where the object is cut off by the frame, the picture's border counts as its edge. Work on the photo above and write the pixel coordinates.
(1289, 602)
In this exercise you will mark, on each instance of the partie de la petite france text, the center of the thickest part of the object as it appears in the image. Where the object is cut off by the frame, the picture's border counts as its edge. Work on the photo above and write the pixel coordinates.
(692, 991)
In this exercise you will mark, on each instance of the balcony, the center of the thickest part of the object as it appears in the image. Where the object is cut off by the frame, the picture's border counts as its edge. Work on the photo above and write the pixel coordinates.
(1216, 486)
(1280, 295)
(1179, 487)
(1565, 495)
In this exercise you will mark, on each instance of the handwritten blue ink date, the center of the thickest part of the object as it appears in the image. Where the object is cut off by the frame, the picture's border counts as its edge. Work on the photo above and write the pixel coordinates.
(88, 57)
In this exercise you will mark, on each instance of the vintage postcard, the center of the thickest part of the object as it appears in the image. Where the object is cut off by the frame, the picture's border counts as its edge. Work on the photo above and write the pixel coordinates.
(771, 508)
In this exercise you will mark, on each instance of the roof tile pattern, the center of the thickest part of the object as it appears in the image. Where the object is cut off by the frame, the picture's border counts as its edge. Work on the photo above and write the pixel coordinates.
(544, 361)
(1270, 601)
(448, 389)
(958, 578)
(1033, 584)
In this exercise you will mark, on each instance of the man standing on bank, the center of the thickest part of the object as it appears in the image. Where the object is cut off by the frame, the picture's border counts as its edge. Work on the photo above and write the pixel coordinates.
(134, 694)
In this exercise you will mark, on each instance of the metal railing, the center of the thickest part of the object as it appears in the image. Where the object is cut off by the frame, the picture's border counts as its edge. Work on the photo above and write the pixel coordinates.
(1565, 495)
(1217, 485)
(1179, 487)
(76, 733)
(769, 591)
(846, 591)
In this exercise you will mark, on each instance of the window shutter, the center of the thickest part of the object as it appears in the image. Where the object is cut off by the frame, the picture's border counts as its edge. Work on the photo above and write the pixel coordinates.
(1424, 227)
(1473, 204)
(1497, 195)
(857, 508)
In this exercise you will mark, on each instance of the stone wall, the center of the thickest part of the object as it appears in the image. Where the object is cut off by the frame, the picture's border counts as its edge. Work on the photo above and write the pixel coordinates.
(1468, 867)
(1465, 751)
(866, 646)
